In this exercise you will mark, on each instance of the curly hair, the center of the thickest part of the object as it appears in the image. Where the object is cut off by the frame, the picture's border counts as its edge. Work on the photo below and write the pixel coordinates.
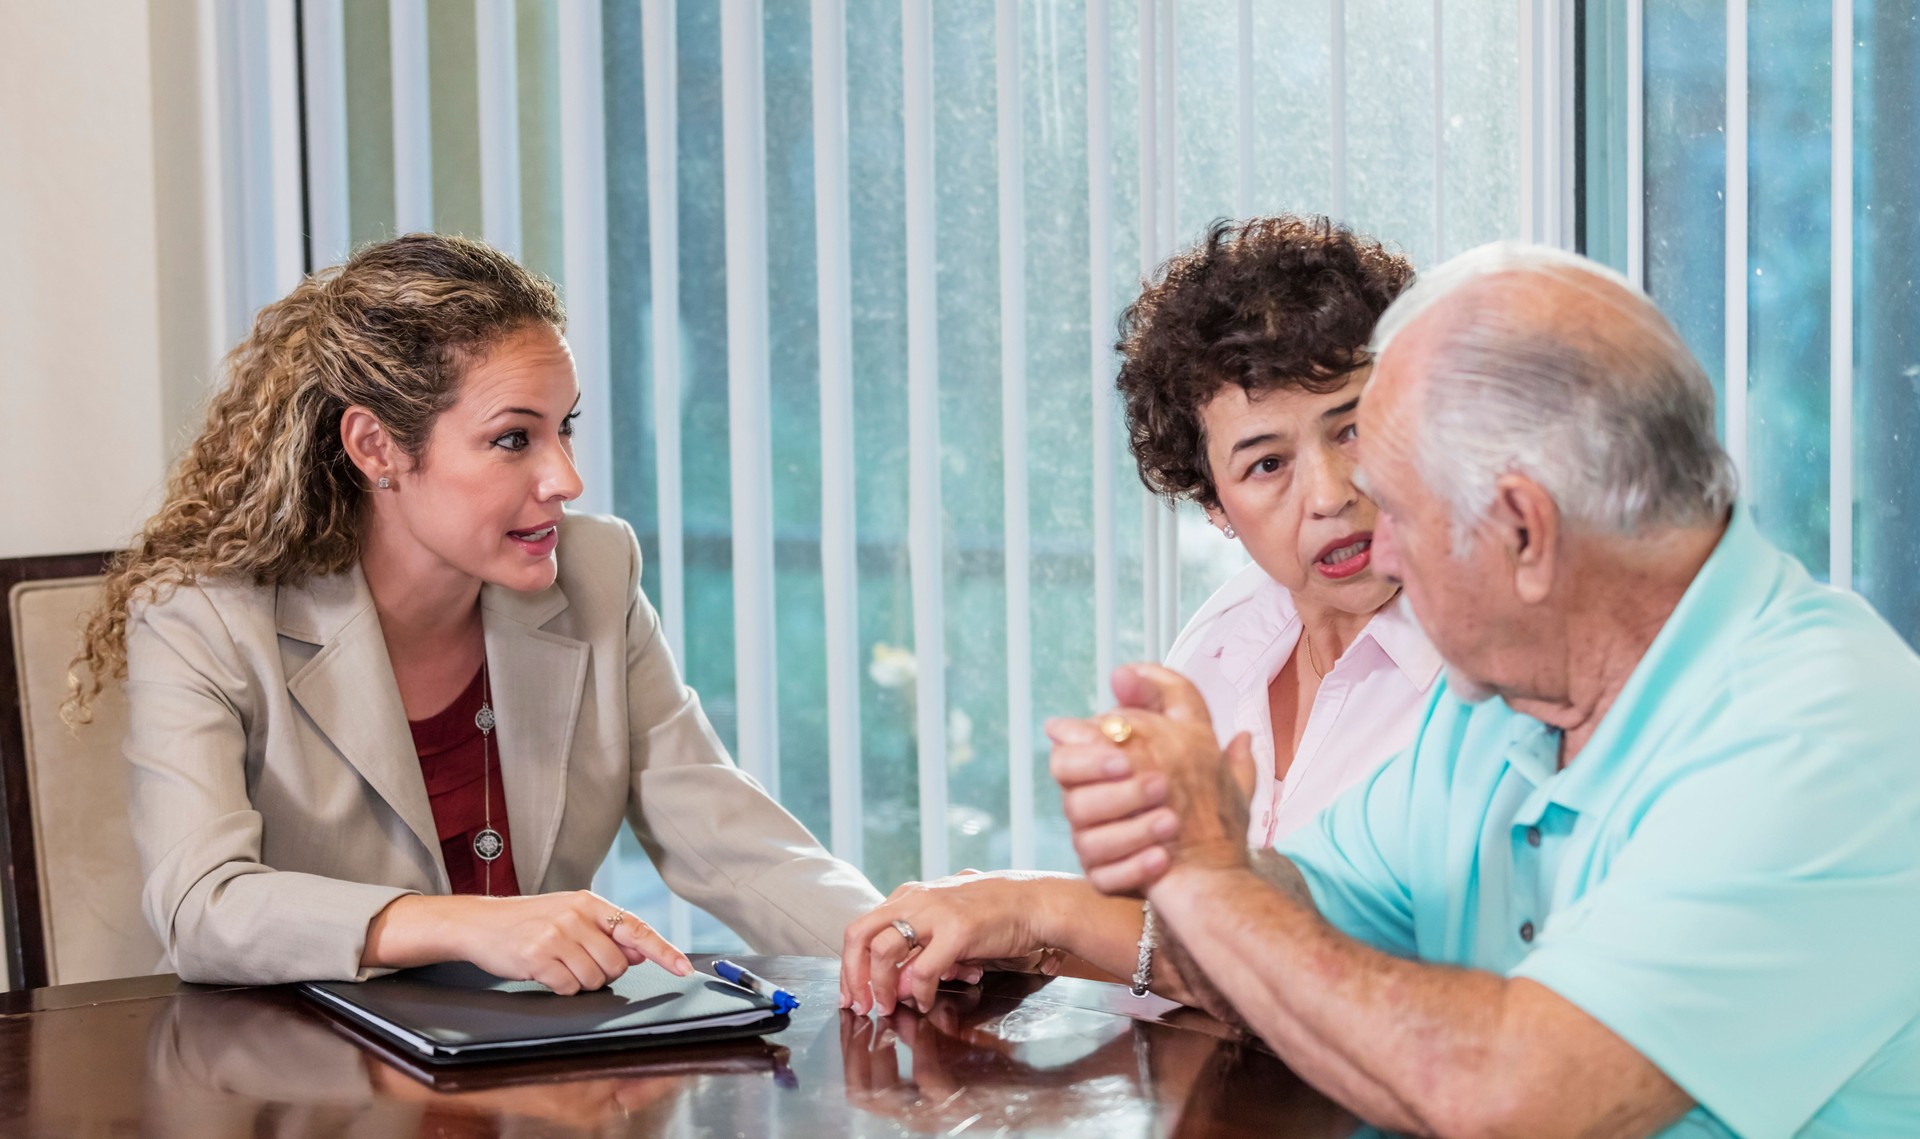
(1272, 303)
(267, 493)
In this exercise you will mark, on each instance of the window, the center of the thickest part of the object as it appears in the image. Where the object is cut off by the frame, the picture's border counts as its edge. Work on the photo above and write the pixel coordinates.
(843, 277)
(1771, 186)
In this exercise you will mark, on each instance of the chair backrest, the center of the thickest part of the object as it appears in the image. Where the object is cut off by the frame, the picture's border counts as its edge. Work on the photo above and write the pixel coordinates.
(73, 891)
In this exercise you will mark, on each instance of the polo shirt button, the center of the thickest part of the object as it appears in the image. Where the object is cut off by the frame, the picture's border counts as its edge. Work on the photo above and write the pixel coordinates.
(1533, 836)
(1526, 932)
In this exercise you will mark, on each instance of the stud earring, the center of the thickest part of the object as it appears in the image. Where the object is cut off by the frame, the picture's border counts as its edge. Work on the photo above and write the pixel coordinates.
(384, 483)
(1228, 530)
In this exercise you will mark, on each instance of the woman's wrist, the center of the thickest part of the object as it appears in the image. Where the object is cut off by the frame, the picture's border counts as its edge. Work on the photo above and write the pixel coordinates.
(1058, 917)
(415, 929)
(1104, 932)
(1080, 920)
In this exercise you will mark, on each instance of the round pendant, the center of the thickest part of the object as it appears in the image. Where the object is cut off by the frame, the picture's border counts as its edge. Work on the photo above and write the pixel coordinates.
(489, 845)
(483, 719)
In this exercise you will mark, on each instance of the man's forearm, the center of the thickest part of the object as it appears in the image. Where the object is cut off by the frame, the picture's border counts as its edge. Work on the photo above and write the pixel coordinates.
(1384, 1036)
(1331, 1072)
(1276, 872)
(1173, 959)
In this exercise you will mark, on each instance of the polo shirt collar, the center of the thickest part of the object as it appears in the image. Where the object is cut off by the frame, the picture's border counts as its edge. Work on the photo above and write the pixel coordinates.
(1532, 748)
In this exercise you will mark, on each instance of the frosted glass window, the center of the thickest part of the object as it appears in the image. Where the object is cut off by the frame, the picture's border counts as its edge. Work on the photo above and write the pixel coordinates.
(1787, 281)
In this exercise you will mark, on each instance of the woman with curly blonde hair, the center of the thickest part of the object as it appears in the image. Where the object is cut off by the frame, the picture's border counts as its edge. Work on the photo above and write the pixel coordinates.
(389, 701)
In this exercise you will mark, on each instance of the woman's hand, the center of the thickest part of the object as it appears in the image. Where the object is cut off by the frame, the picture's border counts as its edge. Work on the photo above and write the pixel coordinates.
(569, 942)
(958, 922)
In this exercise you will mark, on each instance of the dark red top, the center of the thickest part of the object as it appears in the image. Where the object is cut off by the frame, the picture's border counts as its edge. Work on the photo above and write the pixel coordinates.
(451, 759)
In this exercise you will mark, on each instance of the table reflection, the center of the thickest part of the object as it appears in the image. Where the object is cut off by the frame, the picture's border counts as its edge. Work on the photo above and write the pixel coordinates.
(1035, 1067)
(1018, 1055)
(236, 1064)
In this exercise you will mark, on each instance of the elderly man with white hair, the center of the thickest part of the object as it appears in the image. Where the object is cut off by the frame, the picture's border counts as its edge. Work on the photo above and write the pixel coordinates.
(1654, 855)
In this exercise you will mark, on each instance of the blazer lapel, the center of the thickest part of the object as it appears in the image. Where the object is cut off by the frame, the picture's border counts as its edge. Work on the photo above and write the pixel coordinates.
(537, 679)
(349, 692)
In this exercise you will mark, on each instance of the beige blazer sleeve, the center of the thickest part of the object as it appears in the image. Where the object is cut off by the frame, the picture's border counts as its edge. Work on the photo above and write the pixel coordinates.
(223, 914)
(716, 837)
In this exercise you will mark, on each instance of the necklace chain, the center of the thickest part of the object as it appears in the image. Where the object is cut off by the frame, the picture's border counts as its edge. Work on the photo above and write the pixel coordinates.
(1311, 661)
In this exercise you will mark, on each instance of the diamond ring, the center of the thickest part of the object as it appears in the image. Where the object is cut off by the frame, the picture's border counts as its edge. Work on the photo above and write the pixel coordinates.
(1119, 729)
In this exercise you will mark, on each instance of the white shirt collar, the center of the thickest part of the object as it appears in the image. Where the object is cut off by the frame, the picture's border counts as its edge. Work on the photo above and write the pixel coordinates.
(1269, 614)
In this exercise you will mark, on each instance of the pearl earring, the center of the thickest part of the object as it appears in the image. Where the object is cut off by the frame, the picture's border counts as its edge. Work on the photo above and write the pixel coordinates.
(384, 482)
(1228, 530)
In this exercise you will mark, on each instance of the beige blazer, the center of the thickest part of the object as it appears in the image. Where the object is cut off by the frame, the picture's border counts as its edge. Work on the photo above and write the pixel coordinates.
(278, 804)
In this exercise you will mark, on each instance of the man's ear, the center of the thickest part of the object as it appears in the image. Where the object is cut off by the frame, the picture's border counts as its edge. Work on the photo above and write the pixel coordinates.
(368, 445)
(1529, 525)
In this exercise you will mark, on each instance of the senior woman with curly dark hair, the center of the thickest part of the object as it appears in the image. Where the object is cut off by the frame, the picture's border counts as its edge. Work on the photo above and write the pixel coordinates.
(1242, 367)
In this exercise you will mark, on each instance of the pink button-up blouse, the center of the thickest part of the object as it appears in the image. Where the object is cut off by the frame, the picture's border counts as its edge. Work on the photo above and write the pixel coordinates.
(1368, 707)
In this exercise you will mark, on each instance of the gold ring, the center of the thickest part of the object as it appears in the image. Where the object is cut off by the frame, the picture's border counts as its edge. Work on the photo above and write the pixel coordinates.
(613, 923)
(1119, 729)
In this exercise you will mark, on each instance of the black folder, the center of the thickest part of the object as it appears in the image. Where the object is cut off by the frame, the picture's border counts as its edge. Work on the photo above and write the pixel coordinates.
(456, 1013)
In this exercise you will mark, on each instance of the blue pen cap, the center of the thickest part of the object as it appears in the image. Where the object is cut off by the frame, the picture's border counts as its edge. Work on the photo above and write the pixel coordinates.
(783, 1001)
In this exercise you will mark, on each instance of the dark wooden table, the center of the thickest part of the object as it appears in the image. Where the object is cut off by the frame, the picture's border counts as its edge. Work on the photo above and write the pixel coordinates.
(1017, 1055)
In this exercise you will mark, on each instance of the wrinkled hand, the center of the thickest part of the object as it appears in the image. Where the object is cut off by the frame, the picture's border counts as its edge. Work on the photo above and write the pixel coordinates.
(963, 923)
(564, 941)
(1167, 796)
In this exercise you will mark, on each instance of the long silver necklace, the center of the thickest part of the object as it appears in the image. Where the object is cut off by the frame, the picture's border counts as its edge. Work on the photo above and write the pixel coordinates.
(487, 843)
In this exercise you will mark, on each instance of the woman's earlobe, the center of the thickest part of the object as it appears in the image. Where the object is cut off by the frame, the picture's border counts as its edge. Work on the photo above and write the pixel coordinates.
(1218, 518)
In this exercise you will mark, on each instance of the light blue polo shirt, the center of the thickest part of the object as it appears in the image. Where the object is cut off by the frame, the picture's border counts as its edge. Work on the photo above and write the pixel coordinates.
(1727, 876)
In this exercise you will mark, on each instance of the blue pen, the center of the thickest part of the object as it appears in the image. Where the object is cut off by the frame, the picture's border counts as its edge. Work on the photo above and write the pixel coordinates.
(783, 1001)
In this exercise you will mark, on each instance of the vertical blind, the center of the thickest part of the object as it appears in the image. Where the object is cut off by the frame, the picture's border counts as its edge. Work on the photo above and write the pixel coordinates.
(843, 278)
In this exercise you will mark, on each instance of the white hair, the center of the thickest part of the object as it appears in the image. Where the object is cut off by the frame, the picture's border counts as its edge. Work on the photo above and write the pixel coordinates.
(1588, 392)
